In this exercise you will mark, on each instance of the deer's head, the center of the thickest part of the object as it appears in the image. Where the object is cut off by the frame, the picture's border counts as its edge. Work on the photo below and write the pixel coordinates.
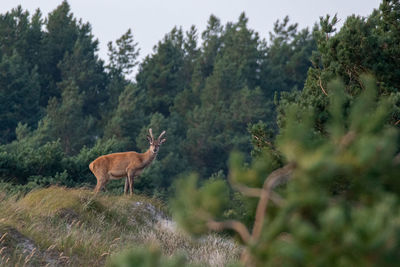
(155, 143)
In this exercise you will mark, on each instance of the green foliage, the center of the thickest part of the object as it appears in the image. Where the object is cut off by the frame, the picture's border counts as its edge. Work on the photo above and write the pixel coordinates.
(82, 68)
(65, 121)
(194, 207)
(287, 58)
(362, 45)
(145, 257)
(38, 162)
(122, 61)
(160, 74)
(253, 175)
(17, 82)
(227, 92)
(262, 137)
(341, 204)
(22, 159)
(128, 117)
(60, 37)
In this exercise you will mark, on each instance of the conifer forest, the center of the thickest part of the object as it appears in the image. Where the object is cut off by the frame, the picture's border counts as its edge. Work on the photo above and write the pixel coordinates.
(287, 147)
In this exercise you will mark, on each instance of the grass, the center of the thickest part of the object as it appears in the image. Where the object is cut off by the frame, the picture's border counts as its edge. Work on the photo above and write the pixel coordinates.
(59, 226)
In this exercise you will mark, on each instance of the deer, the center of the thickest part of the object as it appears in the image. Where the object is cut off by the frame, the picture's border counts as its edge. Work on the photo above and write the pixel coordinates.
(128, 164)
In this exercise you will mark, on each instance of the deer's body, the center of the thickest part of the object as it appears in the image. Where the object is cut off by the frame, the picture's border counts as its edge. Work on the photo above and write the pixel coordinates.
(124, 164)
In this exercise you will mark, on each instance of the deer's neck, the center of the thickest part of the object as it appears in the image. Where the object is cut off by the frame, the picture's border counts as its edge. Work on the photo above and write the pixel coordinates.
(149, 156)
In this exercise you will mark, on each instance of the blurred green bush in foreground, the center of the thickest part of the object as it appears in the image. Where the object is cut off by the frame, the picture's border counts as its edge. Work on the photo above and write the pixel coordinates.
(335, 202)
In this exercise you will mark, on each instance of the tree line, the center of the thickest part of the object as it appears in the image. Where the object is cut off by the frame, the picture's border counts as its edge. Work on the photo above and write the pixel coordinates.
(62, 105)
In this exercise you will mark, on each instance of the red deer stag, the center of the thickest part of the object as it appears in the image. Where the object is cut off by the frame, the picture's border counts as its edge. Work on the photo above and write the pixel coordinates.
(124, 164)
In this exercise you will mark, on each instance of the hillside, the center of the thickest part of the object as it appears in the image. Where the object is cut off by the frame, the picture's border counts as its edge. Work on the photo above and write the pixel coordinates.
(59, 226)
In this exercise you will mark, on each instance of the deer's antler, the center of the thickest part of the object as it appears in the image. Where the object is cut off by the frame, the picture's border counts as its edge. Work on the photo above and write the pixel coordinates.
(161, 135)
(151, 134)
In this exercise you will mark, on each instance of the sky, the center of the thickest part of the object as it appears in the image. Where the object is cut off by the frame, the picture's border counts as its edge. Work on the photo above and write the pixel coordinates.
(150, 20)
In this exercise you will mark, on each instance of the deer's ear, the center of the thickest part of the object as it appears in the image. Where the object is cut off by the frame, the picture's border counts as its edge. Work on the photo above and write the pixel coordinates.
(149, 139)
(163, 140)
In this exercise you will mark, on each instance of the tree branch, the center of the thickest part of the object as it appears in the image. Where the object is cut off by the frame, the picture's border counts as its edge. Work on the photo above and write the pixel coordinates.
(320, 85)
(237, 226)
(263, 141)
(275, 178)
(347, 139)
(247, 191)
(256, 192)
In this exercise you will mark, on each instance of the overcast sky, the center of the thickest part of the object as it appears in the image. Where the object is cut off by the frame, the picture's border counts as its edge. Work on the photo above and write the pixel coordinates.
(150, 20)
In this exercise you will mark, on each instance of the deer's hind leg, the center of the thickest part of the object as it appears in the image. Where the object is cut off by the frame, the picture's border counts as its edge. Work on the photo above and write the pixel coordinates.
(126, 186)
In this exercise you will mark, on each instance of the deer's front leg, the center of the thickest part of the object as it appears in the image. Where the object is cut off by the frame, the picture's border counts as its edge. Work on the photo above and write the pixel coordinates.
(130, 178)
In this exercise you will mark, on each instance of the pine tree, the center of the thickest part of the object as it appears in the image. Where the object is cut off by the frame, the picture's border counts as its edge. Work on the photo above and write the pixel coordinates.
(123, 57)
(64, 120)
(287, 58)
(22, 34)
(160, 75)
(85, 69)
(19, 95)
(211, 43)
(122, 61)
(60, 37)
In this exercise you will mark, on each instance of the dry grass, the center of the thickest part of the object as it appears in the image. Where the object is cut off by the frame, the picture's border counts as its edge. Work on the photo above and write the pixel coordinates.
(58, 226)
(213, 249)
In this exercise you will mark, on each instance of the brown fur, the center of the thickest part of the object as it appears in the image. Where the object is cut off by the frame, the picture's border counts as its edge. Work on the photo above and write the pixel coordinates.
(124, 164)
